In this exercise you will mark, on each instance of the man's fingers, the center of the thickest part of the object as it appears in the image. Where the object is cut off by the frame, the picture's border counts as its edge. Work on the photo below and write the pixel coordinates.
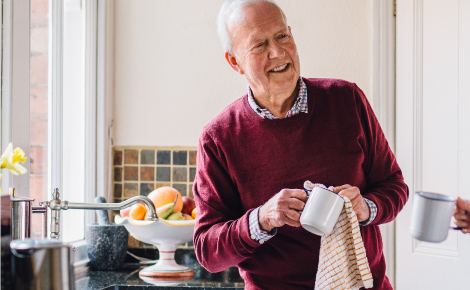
(337, 189)
(351, 193)
(461, 224)
(292, 218)
(287, 194)
(299, 194)
(463, 205)
(459, 210)
(285, 217)
(296, 204)
(282, 209)
(461, 216)
(357, 201)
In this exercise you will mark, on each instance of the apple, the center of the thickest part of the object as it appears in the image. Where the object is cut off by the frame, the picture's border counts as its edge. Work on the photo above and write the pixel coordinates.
(188, 205)
(187, 216)
(125, 212)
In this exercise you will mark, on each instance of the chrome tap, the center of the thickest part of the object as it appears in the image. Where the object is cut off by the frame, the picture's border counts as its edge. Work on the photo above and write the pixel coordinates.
(56, 205)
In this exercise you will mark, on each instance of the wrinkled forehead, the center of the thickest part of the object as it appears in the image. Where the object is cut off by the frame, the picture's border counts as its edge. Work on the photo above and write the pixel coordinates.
(254, 15)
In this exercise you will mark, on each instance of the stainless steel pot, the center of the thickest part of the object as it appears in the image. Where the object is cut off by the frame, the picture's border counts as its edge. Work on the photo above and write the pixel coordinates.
(42, 264)
(21, 210)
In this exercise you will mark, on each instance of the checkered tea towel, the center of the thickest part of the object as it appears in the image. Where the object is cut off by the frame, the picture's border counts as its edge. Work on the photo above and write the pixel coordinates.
(343, 262)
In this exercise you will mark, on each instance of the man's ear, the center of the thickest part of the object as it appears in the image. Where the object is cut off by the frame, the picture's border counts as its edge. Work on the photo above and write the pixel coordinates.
(232, 61)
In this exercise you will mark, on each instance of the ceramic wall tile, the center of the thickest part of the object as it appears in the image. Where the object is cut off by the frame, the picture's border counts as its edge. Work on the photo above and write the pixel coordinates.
(117, 157)
(146, 188)
(147, 157)
(140, 170)
(181, 187)
(147, 173)
(164, 157)
(192, 173)
(131, 173)
(180, 174)
(192, 157)
(180, 157)
(117, 173)
(131, 156)
(130, 190)
(163, 173)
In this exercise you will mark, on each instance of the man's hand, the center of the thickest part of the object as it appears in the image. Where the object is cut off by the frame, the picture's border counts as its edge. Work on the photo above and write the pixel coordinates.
(462, 215)
(282, 209)
(360, 206)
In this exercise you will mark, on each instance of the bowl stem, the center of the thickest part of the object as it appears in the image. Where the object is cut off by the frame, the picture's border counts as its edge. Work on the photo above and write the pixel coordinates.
(166, 265)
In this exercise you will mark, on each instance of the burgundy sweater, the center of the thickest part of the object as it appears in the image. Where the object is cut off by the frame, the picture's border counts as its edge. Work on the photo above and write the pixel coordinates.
(243, 160)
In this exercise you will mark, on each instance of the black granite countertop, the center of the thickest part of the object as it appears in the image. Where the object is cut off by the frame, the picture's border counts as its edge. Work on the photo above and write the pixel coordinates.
(128, 276)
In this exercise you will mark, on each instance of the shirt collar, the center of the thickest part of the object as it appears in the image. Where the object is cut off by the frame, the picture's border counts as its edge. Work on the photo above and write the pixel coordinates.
(300, 104)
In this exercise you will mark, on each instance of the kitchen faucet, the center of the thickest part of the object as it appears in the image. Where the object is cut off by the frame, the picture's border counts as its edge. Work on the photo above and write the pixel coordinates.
(56, 205)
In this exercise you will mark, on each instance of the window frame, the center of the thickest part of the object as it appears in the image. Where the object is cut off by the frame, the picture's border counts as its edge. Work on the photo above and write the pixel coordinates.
(15, 101)
(15, 86)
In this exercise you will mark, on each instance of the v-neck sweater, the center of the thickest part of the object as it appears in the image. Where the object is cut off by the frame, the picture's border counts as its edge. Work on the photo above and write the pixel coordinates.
(243, 160)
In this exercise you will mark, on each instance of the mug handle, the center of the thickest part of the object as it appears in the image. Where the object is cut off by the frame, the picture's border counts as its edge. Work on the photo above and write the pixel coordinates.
(308, 194)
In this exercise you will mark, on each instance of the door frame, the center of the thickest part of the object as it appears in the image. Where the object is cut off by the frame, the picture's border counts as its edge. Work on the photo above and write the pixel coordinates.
(383, 99)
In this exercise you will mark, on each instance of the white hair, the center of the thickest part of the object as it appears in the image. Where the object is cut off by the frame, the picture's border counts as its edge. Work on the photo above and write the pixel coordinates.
(229, 12)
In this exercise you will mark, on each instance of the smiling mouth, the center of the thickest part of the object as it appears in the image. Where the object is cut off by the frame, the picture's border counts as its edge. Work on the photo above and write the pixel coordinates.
(280, 68)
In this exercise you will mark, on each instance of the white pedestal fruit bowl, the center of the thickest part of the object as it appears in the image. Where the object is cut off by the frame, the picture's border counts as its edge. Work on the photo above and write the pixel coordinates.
(166, 235)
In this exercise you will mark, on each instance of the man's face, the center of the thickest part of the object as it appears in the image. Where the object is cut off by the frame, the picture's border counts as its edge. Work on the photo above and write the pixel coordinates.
(265, 51)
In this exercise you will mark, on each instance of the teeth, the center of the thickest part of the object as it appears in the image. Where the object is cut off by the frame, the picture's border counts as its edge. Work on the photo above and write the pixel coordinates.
(280, 68)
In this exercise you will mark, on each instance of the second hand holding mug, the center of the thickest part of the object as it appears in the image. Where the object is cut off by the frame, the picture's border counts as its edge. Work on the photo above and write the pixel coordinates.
(321, 211)
(431, 216)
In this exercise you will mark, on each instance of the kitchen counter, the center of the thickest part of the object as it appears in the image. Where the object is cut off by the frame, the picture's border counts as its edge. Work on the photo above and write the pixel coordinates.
(128, 277)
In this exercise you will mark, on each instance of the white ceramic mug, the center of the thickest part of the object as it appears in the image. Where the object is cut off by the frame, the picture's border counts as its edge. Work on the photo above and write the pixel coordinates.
(431, 216)
(321, 212)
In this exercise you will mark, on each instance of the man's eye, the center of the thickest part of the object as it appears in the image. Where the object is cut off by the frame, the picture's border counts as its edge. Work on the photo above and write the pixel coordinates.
(259, 47)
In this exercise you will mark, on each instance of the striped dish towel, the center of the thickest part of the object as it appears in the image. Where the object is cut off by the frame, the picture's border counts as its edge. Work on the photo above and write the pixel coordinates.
(343, 262)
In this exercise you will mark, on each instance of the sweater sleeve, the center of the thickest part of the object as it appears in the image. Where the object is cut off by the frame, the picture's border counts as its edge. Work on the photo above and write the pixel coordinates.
(385, 183)
(221, 237)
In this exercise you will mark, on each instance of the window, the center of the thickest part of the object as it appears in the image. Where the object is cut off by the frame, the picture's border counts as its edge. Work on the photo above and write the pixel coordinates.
(59, 128)
(38, 106)
(57, 106)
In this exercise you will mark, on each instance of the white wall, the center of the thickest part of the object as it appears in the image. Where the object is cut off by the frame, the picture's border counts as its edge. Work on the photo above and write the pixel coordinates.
(171, 77)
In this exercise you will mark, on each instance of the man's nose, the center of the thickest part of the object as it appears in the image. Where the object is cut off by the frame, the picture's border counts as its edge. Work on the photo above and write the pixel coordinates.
(276, 50)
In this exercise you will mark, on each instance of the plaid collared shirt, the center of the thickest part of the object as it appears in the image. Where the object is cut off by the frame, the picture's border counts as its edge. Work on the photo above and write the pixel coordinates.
(300, 106)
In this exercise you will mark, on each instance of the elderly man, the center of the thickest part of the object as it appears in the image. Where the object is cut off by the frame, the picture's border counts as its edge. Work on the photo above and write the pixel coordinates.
(254, 157)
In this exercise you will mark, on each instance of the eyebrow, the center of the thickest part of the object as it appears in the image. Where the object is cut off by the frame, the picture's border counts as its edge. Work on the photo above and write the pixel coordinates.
(253, 40)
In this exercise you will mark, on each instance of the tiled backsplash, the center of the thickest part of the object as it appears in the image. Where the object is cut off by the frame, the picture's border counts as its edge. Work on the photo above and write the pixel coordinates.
(140, 170)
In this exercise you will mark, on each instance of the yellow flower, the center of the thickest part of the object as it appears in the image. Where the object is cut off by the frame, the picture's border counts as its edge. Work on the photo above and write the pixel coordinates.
(18, 155)
(10, 159)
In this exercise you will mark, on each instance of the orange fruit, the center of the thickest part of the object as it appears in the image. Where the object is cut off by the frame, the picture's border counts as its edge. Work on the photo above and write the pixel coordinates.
(193, 213)
(138, 211)
(165, 195)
